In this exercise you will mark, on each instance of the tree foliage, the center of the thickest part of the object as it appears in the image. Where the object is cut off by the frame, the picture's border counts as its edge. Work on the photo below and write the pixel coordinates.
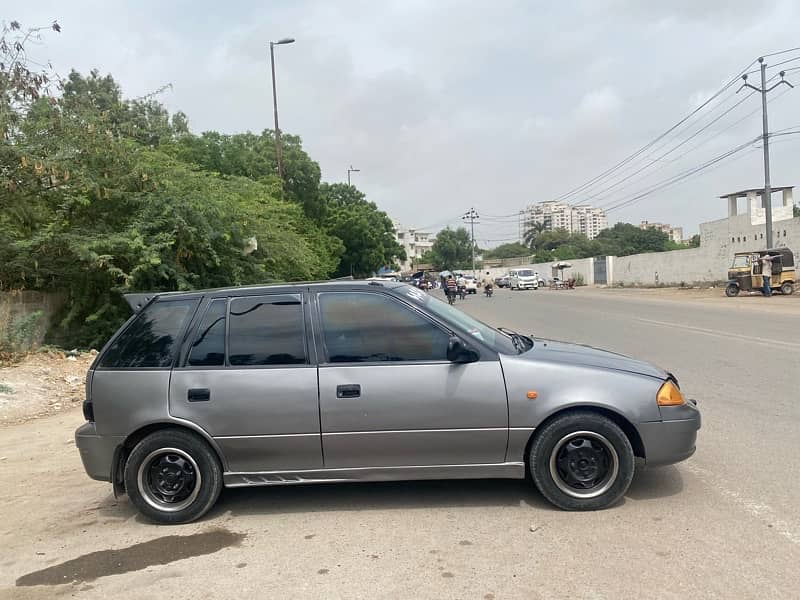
(622, 239)
(451, 250)
(367, 234)
(511, 250)
(101, 195)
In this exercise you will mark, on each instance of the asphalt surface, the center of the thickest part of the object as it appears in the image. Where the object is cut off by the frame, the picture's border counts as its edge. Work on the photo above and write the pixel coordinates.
(724, 524)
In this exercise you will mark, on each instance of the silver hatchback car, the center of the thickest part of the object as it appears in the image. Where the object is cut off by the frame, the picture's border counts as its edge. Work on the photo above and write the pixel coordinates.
(309, 383)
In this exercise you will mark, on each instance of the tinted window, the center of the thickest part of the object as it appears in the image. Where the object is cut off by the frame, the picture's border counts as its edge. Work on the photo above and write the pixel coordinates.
(360, 327)
(151, 340)
(208, 348)
(266, 330)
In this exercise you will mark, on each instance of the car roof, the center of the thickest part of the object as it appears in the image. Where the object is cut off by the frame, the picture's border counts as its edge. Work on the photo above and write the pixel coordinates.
(137, 301)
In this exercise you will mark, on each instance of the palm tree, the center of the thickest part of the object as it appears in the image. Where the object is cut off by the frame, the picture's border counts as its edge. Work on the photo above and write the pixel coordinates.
(532, 231)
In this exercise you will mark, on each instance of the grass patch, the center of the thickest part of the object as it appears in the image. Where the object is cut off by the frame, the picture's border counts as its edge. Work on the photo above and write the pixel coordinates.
(6, 389)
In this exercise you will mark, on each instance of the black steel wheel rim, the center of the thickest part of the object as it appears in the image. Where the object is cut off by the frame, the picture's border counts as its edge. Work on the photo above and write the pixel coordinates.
(584, 464)
(169, 479)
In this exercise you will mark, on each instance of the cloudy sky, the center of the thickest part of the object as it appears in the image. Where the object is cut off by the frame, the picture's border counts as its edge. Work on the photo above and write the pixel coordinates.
(447, 104)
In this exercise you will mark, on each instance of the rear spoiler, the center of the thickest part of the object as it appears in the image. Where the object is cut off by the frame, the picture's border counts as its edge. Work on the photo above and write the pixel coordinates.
(138, 301)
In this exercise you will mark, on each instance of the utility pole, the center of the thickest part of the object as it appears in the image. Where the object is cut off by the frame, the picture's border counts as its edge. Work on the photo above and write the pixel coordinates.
(351, 170)
(470, 216)
(275, 104)
(766, 199)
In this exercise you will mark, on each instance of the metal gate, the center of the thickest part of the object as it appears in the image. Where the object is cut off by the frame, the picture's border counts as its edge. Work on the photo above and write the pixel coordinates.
(600, 270)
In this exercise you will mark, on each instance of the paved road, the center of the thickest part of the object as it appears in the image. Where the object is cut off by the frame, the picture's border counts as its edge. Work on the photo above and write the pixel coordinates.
(724, 524)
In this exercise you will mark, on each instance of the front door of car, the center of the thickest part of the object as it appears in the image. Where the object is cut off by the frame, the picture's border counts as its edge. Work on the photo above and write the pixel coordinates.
(388, 395)
(256, 395)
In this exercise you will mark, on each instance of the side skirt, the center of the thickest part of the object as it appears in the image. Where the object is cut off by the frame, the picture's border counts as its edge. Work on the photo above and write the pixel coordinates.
(510, 470)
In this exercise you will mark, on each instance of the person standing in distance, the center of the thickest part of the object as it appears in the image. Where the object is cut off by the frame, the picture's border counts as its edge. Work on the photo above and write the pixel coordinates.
(766, 274)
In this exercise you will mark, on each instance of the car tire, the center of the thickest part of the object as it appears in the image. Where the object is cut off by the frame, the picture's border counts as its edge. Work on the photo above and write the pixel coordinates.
(787, 288)
(581, 461)
(731, 290)
(173, 476)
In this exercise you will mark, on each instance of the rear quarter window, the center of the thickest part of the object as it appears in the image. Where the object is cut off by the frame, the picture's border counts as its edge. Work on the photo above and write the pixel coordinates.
(151, 340)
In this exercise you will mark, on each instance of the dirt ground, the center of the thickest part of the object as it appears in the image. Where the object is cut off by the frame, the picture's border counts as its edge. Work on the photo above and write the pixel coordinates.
(43, 383)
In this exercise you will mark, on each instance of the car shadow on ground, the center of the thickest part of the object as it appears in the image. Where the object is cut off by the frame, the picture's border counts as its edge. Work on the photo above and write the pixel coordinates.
(648, 484)
(399, 495)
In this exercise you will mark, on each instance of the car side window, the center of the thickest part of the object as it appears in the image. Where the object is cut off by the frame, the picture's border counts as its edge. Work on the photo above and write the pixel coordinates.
(208, 349)
(370, 327)
(266, 330)
(151, 339)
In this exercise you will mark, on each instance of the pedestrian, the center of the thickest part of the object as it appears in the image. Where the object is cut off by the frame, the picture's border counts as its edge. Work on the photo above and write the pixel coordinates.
(766, 273)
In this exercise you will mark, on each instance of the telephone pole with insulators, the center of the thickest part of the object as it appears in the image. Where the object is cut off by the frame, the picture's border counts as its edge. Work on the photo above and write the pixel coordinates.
(764, 90)
(472, 216)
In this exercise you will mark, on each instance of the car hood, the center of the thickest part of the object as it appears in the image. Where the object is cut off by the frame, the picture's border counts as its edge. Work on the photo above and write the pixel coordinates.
(577, 354)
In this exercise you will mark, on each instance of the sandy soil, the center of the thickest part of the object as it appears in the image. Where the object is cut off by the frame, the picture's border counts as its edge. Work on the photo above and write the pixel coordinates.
(43, 383)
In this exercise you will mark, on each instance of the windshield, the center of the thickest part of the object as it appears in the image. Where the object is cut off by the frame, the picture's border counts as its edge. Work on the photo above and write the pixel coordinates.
(488, 335)
(525, 273)
(741, 261)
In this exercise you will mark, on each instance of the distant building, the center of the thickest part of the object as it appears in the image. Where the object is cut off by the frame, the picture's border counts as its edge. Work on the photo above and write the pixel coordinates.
(675, 233)
(580, 218)
(415, 242)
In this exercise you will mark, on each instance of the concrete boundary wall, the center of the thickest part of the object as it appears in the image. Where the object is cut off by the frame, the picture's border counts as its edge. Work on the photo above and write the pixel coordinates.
(18, 305)
(719, 241)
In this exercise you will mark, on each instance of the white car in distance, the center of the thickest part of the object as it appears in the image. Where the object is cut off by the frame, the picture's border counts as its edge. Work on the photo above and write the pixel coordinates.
(523, 279)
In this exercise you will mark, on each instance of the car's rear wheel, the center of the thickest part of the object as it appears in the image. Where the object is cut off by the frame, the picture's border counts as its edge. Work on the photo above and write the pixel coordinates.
(787, 288)
(731, 290)
(582, 461)
(173, 476)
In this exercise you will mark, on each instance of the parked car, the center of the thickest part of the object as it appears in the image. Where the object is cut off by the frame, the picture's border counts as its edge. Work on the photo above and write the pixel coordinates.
(501, 281)
(523, 279)
(297, 383)
(471, 285)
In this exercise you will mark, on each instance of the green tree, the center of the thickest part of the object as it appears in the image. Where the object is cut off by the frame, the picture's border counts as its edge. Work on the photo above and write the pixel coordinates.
(623, 239)
(511, 250)
(532, 231)
(451, 250)
(95, 205)
(694, 241)
(796, 210)
(253, 156)
(366, 233)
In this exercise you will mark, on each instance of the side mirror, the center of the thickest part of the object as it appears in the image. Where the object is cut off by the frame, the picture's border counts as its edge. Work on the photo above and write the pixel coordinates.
(459, 352)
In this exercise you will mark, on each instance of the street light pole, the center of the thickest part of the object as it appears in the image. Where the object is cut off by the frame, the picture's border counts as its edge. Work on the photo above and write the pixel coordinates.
(278, 157)
(766, 198)
(351, 170)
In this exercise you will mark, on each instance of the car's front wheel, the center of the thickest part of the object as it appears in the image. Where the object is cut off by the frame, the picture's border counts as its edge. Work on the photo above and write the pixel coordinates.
(173, 476)
(582, 461)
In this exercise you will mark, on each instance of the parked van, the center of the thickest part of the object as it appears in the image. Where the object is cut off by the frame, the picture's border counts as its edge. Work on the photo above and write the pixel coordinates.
(523, 279)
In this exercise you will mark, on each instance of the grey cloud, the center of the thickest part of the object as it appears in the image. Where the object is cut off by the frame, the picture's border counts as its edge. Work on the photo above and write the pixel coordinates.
(449, 104)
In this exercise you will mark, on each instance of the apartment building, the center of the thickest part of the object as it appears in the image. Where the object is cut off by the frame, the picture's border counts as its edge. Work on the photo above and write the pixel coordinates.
(580, 218)
(415, 242)
(675, 233)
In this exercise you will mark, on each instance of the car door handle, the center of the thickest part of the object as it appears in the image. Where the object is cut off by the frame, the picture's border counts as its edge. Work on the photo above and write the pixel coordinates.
(348, 391)
(199, 395)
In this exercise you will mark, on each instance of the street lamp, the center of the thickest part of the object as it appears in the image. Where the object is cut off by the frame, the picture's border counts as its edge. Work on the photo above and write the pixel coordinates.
(351, 170)
(275, 102)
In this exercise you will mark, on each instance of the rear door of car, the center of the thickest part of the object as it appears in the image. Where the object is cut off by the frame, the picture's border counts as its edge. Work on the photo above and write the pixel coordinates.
(388, 395)
(249, 380)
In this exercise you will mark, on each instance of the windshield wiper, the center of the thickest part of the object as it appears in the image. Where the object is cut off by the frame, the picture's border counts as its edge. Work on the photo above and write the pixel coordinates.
(521, 343)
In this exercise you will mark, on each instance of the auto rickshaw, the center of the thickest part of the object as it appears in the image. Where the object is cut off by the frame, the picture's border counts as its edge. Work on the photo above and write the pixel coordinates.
(745, 272)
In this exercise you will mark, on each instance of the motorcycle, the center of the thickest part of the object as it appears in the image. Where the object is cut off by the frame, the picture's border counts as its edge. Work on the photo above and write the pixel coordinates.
(488, 290)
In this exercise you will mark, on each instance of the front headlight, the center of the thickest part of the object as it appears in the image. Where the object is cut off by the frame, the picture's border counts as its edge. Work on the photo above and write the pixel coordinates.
(669, 395)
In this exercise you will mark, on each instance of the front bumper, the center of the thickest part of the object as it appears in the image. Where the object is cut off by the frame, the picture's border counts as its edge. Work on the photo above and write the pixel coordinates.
(672, 439)
(97, 451)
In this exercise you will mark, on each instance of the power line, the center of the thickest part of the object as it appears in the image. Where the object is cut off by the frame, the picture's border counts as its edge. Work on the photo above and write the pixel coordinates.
(647, 146)
(696, 146)
(680, 176)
